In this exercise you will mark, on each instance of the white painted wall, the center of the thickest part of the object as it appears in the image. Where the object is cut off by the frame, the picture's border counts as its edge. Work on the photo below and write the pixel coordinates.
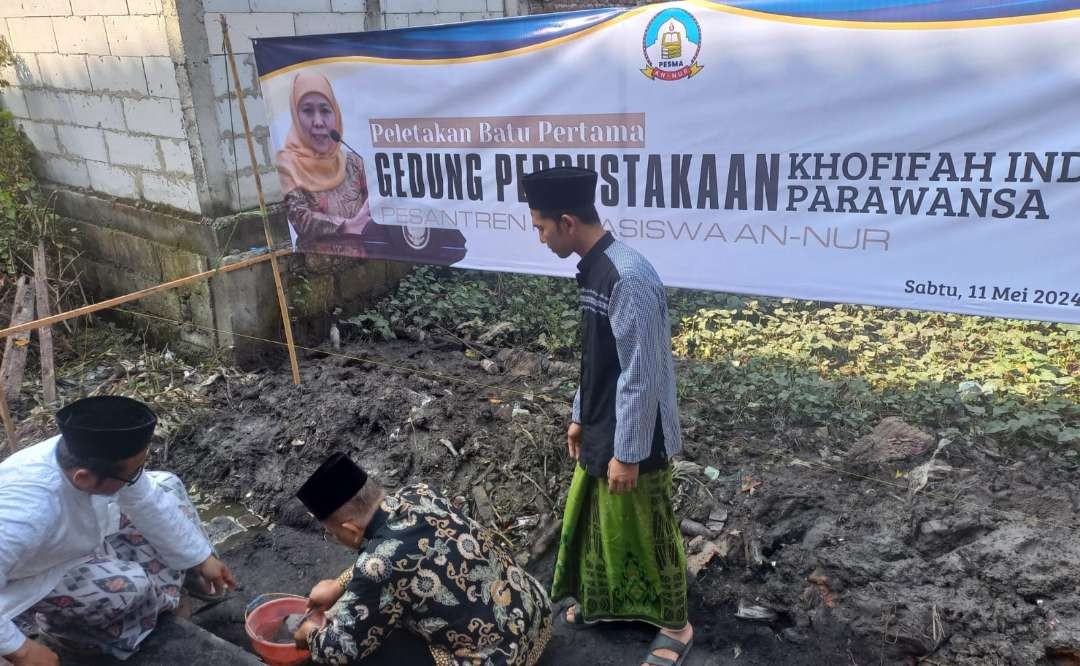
(96, 91)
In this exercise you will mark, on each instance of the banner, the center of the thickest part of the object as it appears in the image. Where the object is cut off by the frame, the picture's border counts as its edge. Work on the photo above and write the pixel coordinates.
(909, 153)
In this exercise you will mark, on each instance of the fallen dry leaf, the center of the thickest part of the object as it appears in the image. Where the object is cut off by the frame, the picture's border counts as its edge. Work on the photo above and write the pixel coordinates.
(749, 484)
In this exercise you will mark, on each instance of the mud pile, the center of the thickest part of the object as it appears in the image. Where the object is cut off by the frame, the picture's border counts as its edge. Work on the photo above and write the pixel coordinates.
(823, 548)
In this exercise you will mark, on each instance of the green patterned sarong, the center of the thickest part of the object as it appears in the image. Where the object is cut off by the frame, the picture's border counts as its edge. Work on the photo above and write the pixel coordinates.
(621, 556)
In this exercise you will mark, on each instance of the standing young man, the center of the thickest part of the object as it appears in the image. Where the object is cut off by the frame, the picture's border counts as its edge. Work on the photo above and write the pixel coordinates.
(621, 554)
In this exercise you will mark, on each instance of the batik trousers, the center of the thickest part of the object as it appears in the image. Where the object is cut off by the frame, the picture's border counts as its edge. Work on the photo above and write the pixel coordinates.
(113, 600)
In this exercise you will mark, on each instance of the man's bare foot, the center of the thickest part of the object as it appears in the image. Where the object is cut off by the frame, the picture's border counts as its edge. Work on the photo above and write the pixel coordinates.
(684, 636)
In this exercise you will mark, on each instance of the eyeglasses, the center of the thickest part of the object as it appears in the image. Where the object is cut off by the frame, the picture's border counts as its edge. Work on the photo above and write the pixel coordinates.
(133, 480)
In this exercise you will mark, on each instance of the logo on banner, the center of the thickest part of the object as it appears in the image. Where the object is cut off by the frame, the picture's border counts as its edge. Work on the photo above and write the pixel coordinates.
(672, 44)
(417, 238)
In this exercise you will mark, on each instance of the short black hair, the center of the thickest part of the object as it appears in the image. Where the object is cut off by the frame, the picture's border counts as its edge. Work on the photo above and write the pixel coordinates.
(588, 214)
(99, 466)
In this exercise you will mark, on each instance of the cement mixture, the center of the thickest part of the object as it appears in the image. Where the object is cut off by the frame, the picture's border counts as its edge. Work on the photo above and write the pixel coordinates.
(887, 550)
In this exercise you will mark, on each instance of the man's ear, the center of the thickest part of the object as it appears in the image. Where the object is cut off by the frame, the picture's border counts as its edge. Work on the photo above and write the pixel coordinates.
(569, 221)
(84, 480)
(356, 533)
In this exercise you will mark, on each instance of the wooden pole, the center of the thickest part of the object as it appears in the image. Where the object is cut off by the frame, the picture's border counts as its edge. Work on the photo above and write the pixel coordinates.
(9, 426)
(262, 201)
(13, 366)
(136, 295)
(45, 345)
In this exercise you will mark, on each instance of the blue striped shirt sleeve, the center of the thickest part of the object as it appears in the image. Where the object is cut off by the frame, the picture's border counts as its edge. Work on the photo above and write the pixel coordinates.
(636, 316)
(576, 417)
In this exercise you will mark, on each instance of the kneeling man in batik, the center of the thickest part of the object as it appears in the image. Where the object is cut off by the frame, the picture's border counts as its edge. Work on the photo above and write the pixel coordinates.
(93, 550)
(431, 587)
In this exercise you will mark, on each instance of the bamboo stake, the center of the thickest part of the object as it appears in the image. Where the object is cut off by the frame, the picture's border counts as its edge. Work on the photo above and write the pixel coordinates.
(136, 295)
(262, 201)
(45, 345)
(9, 426)
(16, 347)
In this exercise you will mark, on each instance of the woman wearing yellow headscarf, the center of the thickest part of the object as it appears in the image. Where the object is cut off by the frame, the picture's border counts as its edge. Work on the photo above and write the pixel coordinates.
(327, 193)
(325, 187)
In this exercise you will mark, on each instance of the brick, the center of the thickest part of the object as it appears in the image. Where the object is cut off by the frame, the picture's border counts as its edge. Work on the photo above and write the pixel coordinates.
(409, 6)
(42, 135)
(17, 8)
(249, 197)
(76, 109)
(418, 20)
(496, 6)
(79, 34)
(218, 6)
(394, 21)
(178, 192)
(65, 72)
(161, 77)
(113, 180)
(462, 5)
(137, 35)
(243, 156)
(65, 171)
(116, 74)
(297, 6)
(221, 77)
(256, 110)
(14, 100)
(349, 6)
(83, 142)
(476, 16)
(150, 7)
(32, 35)
(24, 72)
(321, 24)
(245, 27)
(160, 117)
(137, 151)
(99, 7)
(176, 156)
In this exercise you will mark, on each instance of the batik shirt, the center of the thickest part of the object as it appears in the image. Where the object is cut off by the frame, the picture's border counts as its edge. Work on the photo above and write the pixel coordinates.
(427, 569)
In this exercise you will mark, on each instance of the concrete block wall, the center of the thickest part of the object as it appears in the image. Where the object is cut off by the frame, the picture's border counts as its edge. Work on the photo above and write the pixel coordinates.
(96, 91)
(549, 6)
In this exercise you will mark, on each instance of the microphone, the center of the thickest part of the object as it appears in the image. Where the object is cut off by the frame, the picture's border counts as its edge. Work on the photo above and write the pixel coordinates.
(335, 136)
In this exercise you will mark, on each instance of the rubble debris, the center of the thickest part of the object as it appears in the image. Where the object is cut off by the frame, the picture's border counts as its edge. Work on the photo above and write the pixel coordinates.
(485, 513)
(693, 529)
(748, 611)
(891, 441)
(490, 367)
(697, 562)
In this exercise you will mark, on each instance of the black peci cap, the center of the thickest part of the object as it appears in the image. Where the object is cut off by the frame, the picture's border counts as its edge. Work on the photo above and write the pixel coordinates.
(561, 188)
(335, 482)
(108, 427)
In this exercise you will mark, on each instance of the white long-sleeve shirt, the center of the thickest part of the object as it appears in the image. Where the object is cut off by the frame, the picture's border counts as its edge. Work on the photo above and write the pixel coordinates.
(48, 527)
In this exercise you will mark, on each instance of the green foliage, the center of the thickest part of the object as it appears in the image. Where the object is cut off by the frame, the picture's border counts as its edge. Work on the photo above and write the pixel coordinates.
(21, 213)
(785, 363)
(540, 313)
(769, 365)
(7, 59)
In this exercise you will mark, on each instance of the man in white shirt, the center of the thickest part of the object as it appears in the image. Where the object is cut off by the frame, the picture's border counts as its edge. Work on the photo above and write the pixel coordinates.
(92, 550)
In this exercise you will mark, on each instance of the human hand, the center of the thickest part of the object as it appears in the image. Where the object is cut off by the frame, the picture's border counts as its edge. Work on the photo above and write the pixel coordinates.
(359, 222)
(216, 575)
(33, 653)
(622, 477)
(573, 440)
(300, 638)
(324, 595)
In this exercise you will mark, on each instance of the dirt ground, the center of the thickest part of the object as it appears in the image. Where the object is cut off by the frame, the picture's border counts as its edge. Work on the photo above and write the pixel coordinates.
(889, 550)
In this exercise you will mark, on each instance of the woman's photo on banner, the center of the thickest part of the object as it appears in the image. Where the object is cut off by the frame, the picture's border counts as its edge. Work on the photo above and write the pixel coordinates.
(326, 190)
